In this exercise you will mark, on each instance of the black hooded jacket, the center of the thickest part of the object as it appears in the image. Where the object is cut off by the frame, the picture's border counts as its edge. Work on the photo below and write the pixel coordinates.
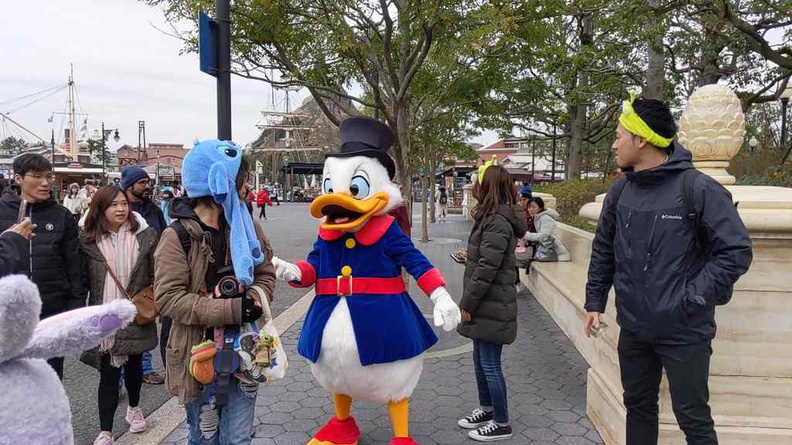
(645, 247)
(489, 294)
(54, 266)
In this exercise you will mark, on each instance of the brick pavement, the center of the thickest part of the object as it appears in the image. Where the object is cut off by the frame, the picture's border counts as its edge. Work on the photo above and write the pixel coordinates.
(545, 379)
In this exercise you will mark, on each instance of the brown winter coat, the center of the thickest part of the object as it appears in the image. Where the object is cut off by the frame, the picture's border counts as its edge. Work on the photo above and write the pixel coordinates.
(133, 339)
(180, 293)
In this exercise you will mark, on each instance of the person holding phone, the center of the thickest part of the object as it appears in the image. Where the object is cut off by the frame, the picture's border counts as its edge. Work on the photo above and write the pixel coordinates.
(12, 241)
(670, 265)
(489, 297)
(50, 258)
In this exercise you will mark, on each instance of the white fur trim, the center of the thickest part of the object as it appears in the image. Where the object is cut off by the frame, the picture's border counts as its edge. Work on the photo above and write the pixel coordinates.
(339, 370)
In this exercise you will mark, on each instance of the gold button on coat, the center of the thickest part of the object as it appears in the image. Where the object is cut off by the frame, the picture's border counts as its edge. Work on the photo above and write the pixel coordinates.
(350, 243)
(346, 271)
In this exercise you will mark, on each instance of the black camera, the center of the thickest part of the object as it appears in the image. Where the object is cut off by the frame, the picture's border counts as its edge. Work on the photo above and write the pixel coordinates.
(227, 284)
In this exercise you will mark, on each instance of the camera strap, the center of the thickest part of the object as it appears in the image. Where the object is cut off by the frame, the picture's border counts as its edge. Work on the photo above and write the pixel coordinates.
(226, 363)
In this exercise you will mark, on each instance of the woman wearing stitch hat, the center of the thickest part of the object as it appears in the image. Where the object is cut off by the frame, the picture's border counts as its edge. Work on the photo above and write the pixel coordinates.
(213, 230)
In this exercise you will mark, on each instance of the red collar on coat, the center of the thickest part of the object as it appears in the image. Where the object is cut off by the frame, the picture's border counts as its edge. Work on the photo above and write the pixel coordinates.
(371, 232)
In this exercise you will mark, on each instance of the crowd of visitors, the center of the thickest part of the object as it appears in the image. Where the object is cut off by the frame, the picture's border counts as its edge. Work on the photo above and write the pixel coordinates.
(669, 240)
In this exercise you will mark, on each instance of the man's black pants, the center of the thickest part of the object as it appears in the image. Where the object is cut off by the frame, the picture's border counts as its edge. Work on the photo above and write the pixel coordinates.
(687, 369)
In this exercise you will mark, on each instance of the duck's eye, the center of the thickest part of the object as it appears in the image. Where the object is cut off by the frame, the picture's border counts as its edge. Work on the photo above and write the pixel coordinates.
(359, 187)
(327, 186)
(230, 152)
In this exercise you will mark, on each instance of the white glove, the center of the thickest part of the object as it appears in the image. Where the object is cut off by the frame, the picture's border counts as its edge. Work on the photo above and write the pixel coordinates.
(446, 312)
(285, 270)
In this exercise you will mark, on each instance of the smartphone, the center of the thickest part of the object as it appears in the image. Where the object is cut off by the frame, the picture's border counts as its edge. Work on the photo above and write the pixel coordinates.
(22, 211)
(595, 331)
(457, 257)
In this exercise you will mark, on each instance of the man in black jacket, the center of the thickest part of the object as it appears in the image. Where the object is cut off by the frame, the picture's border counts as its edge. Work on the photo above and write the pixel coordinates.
(50, 258)
(136, 183)
(668, 266)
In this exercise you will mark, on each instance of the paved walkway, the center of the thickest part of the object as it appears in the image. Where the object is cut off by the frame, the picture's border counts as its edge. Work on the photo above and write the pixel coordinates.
(545, 377)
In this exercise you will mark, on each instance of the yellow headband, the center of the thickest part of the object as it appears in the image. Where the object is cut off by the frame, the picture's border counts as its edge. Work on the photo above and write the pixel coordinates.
(635, 125)
(483, 168)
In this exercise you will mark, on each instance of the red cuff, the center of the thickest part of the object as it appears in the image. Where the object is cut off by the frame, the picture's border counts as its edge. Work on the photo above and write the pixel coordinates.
(308, 275)
(431, 280)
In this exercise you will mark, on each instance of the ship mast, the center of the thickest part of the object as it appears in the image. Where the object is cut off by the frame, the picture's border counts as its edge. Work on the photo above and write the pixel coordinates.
(73, 148)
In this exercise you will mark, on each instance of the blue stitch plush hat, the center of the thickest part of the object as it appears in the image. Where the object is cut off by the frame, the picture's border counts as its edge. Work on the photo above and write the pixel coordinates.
(210, 169)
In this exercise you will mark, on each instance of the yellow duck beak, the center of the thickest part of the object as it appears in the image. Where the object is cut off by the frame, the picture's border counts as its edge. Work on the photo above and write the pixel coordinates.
(343, 212)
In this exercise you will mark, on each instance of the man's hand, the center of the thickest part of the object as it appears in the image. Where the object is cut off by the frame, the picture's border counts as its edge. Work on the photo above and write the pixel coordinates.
(466, 316)
(25, 228)
(446, 312)
(592, 319)
(285, 270)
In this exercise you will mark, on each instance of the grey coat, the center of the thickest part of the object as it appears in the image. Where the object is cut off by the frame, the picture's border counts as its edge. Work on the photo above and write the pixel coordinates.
(489, 294)
(133, 339)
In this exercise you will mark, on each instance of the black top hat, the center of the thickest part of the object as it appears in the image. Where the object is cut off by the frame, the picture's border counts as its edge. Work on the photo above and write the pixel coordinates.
(364, 136)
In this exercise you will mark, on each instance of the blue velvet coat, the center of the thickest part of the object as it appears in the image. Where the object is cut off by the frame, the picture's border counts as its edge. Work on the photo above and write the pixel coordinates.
(388, 327)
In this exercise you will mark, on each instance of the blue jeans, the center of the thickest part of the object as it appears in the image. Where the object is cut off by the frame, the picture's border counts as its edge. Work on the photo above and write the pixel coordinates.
(229, 425)
(489, 379)
(148, 367)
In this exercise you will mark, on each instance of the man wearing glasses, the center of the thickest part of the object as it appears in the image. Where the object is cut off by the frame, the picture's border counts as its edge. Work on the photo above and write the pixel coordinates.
(49, 258)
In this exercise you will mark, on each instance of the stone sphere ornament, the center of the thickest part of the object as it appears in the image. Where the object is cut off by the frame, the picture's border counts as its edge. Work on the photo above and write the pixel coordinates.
(712, 127)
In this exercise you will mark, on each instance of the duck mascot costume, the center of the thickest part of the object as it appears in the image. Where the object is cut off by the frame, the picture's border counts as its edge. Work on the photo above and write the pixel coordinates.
(363, 335)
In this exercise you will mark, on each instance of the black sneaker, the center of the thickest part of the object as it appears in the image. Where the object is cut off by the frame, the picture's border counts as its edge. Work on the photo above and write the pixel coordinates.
(476, 419)
(491, 432)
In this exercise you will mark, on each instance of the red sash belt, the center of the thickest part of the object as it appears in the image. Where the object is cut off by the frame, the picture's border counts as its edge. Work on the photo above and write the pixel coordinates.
(346, 286)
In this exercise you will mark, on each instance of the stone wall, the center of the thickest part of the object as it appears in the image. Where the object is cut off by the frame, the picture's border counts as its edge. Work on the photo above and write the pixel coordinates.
(751, 371)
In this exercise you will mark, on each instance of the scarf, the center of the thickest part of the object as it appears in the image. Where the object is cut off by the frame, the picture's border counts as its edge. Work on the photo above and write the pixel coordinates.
(120, 251)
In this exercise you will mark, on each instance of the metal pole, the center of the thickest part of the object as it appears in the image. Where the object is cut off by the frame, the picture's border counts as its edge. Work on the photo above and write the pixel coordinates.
(533, 159)
(784, 150)
(784, 103)
(52, 143)
(552, 178)
(223, 18)
(157, 183)
(141, 137)
(104, 150)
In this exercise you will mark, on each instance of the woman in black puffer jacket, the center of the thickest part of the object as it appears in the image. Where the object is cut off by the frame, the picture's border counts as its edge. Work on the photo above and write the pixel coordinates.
(489, 299)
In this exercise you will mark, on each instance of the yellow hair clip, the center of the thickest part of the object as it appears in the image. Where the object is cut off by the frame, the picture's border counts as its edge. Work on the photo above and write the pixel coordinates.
(483, 168)
(635, 125)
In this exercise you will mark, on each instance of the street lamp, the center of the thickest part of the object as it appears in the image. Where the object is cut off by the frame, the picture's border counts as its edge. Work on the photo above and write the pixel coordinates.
(104, 135)
(753, 142)
(785, 95)
(158, 168)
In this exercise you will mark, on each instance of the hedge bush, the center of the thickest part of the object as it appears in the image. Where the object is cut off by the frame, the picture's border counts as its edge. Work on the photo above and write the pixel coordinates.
(572, 195)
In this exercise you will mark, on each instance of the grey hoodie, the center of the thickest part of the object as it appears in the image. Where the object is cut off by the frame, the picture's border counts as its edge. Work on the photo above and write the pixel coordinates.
(546, 234)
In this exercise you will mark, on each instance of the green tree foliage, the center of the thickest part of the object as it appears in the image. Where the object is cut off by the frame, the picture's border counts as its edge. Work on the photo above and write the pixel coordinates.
(12, 146)
(334, 47)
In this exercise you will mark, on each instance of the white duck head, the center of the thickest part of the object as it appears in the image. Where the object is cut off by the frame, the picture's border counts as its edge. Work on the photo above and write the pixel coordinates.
(357, 181)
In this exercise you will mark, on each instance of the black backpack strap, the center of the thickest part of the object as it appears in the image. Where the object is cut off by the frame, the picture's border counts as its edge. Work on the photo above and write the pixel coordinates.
(184, 236)
(688, 181)
(616, 190)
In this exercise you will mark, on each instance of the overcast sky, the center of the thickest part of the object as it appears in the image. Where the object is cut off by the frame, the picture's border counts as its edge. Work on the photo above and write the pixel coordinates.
(125, 70)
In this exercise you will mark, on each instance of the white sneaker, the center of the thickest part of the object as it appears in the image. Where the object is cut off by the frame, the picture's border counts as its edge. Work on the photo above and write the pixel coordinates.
(136, 420)
(104, 438)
